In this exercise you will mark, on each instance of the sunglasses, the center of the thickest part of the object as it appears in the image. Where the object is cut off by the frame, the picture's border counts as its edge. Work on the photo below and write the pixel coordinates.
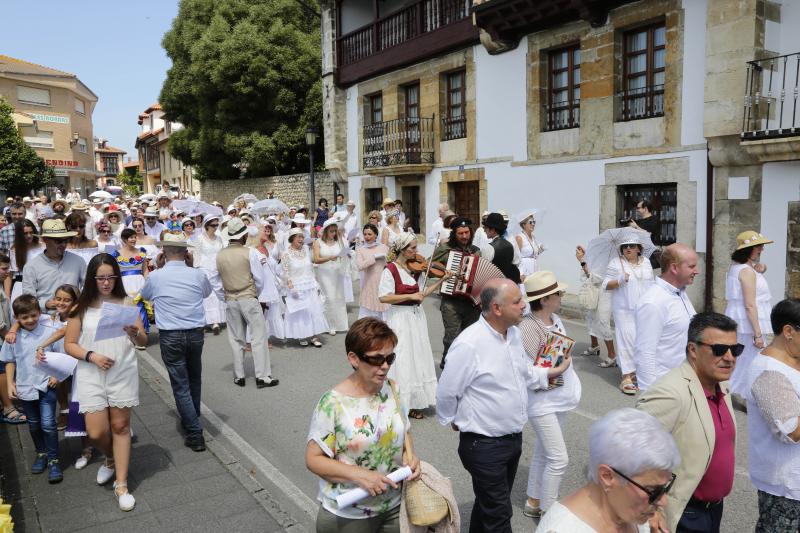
(105, 231)
(531, 222)
(630, 245)
(377, 360)
(721, 349)
(653, 495)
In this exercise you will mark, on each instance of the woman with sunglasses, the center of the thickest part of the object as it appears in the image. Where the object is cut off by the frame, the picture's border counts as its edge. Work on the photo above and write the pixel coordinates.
(188, 229)
(360, 433)
(773, 419)
(631, 459)
(142, 238)
(77, 221)
(627, 279)
(107, 374)
(400, 288)
(206, 247)
(529, 249)
(26, 246)
(106, 241)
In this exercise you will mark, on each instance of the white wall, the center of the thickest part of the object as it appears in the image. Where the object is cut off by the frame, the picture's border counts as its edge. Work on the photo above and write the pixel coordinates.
(694, 59)
(790, 23)
(780, 185)
(500, 89)
(352, 128)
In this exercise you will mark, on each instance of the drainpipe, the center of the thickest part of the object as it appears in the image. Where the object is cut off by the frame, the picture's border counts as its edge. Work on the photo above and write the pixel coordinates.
(709, 233)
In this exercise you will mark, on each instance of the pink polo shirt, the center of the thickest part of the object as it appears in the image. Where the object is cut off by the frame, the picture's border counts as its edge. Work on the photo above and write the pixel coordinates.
(718, 479)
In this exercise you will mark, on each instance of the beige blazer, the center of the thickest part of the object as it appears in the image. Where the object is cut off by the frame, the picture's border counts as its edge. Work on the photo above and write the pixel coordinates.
(677, 400)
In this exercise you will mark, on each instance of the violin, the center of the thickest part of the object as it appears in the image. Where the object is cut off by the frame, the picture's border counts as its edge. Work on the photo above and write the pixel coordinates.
(418, 264)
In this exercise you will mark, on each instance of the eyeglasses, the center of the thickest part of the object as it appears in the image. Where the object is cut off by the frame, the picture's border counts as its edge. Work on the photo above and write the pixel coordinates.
(721, 349)
(105, 231)
(103, 279)
(653, 495)
(629, 245)
(377, 360)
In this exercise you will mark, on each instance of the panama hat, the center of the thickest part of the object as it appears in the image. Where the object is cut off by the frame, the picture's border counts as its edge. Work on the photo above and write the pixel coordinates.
(236, 228)
(78, 206)
(151, 212)
(747, 239)
(330, 222)
(54, 228)
(542, 283)
(293, 232)
(387, 202)
(176, 240)
(300, 218)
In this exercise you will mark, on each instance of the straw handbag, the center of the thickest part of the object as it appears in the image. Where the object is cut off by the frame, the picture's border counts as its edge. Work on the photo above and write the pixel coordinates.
(425, 506)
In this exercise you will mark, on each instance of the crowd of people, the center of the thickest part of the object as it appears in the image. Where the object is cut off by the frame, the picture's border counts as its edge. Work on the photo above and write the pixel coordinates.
(267, 272)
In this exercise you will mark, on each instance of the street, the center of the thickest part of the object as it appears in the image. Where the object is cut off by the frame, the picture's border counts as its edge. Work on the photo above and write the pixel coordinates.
(266, 428)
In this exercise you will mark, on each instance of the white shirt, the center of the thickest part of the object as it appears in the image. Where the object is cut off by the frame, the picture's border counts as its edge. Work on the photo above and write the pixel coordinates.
(155, 230)
(484, 386)
(480, 238)
(559, 519)
(487, 251)
(662, 326)
(560, 399)
(436, 229)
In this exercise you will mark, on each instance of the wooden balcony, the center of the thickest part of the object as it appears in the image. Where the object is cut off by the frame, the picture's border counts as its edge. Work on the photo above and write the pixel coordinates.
(398, 147)
(417, 32)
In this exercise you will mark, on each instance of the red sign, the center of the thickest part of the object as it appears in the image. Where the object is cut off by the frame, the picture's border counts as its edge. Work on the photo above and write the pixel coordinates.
(60, 163)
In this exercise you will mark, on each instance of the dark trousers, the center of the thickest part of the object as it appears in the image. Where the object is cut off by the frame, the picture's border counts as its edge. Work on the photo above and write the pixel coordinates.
(492, 463)
(181, 351)
(41, 415)
(457, 314)
(699, 517)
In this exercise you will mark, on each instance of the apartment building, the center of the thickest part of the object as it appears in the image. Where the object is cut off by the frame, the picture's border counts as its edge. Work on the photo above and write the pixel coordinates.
(54, 110)
(580, 108)
(109, 162)
(157, 166)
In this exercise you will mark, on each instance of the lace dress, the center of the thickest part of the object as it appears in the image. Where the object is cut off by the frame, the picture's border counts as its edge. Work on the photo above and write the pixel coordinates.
(304, 316)
(330, 276)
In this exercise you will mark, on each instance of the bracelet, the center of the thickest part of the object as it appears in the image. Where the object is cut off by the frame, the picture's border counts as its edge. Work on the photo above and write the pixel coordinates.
(583, 263)
(86, 356)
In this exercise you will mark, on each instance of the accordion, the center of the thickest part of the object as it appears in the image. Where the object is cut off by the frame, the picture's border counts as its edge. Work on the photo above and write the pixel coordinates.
(470, 274)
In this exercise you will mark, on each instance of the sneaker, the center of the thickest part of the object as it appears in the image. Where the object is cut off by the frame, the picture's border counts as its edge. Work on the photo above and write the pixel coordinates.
(239, 381)
(83, 460)
(40, 464)
(531, 511)
(196, 442)
(104, 474)
(55, 475)
(316, 343)
(269, 382)
(125, 499)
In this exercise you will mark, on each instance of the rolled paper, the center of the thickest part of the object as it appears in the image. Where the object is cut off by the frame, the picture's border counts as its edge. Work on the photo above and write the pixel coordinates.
(354, 496)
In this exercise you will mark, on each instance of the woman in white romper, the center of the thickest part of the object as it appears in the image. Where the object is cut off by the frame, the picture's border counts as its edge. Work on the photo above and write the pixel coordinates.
(327, 254)
(749, 303)
(206, 247)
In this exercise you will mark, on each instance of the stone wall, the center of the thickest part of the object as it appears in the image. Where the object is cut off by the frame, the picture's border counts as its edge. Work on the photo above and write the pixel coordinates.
(292, 189)
(793, 252)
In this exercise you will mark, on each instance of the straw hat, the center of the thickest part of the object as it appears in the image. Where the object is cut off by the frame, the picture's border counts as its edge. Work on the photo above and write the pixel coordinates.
(330, 222)
(151, 212)
(53, 228)
(387, 202)
(78, 206)
(748, 239)
(293, 232)
(62, 202)
(236, 228)
(542, 283)
(176, 240)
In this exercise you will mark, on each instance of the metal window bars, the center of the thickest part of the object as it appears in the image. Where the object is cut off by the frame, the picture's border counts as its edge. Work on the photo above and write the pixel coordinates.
(641, 102)
(770, 97)
(403, 141)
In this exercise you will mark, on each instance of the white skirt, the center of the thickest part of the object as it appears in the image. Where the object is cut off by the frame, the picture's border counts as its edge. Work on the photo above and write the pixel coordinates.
(332, 285)
(413, 369)
(308, 321)
(625, 330)
(363, 312)
(274, 317)
(214, 307)
(599, 320)
(742, 369)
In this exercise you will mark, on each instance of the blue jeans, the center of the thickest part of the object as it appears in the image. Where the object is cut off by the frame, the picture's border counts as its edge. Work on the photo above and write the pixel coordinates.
(181, 351)
(41, 415)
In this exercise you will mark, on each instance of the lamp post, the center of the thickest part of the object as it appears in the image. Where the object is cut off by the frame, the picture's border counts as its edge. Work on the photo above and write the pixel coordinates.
(311, 140)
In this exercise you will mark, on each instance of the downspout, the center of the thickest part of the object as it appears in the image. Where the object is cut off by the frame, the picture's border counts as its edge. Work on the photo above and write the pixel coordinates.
(709, 233)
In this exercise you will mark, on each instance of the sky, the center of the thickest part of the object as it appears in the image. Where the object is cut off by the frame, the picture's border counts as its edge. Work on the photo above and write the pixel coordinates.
(114, 47)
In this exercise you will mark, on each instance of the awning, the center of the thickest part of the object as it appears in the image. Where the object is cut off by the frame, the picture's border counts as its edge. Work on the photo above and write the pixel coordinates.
(22, 119)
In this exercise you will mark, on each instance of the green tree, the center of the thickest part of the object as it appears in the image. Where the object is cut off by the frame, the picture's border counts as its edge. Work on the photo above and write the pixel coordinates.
(131, 183)
(21, 168)
(245, 83)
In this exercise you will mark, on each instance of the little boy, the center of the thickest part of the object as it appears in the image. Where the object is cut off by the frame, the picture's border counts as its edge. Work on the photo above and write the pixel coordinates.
(35, 389)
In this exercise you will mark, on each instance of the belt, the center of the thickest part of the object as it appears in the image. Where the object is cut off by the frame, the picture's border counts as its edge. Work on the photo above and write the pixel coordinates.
(199, 328)
(131, 273)
(510, 436)
(700, 504)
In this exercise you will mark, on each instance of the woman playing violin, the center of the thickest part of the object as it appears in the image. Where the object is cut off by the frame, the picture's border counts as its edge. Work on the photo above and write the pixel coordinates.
(399, 288)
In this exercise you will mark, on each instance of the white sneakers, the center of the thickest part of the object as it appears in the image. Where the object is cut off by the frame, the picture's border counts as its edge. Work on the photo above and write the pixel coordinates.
(125, 500)
(104, 474)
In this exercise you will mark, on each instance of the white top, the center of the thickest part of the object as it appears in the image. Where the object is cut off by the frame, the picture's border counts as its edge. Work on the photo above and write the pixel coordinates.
(205, 251)
(269, 290)
(559, 519)
(297, 267)
(327, 250)
(155, 230)
(662, 327)
(773, 411)
(487, 252)
(480, 238)
(484, 386)
(640, 278)
(735, 308)
(436, 229)
(559, 399)
(386, 285)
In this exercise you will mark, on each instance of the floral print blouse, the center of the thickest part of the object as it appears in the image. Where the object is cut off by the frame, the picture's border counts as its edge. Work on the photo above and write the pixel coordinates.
(367, 432)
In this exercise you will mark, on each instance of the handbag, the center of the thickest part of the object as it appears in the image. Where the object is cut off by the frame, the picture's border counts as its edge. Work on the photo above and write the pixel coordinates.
(425, 506)
(589, 295)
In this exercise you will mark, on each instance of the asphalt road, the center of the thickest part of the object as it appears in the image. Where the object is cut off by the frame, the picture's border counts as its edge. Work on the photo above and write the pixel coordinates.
(268, 427)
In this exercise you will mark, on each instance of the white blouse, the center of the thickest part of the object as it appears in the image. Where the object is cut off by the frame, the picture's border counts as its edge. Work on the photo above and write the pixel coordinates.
(735, 308)
(559, 399)
(559, 519)
(640, 278)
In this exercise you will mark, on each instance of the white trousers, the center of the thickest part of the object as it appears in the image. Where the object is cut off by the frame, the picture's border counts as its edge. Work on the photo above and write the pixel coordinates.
(241, 315)
(549, 460)
(625, 329)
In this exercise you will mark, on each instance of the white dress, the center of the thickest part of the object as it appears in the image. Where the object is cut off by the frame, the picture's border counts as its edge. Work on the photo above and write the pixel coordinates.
(329, 275)
(413, 368)
(744, 332)
(623, 305)
(270, 295)
(304, 316)
(528, 252)
(205, 258)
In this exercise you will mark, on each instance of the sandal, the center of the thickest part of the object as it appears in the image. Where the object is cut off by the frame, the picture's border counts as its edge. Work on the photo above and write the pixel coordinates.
(416, 414)
(125, 499)
(13, 416)
(303, 343)
(627, 386)
(316, 343)
(608, 363)
(591, 351)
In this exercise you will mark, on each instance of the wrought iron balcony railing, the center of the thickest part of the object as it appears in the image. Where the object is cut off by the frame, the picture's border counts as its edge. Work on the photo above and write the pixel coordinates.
(643, 102)
(454, 128)
(404, 141)
(770, 98)
(562, 115)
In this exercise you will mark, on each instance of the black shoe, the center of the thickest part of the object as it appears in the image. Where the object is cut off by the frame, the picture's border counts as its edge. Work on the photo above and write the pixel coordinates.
(441, 365)
(238, 381)
(270, 382)
(215, 329)
(196, 442)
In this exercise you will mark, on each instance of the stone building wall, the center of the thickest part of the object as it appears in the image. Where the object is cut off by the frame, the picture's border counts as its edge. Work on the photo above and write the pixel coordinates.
(292, 189)
(793, 252)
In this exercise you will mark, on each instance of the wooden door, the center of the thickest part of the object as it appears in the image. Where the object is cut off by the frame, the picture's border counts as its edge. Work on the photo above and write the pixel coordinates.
(466, 200)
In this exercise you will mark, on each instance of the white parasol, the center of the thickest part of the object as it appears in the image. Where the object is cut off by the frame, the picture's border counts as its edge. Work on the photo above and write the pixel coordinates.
(605, 247)
(270, 206)
(247, 197)
(196, 207)
(147, 198)
(100, 194)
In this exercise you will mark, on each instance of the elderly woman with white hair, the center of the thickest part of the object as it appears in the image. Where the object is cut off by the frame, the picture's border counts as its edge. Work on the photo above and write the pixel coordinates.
(631, 463)
(399, 287)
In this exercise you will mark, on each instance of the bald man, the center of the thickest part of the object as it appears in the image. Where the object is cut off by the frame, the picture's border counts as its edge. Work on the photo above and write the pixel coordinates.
(663, 315)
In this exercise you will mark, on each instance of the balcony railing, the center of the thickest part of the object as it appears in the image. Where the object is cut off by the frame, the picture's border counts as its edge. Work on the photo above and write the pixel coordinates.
(770, 97)
(404, 141)
(562, 115)
(454, 128)
(643, 102)
(412, 21)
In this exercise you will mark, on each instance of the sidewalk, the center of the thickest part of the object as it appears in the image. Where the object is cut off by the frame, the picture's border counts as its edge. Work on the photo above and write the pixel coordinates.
(175, 488)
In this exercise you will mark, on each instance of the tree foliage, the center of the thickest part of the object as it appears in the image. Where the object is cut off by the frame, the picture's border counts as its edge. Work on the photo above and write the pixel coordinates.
(131, 183)
(21, 168)
(245, 83)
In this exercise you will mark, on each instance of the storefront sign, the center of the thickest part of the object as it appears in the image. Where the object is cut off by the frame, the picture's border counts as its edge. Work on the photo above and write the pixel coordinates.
(60, 163)
(58, 119)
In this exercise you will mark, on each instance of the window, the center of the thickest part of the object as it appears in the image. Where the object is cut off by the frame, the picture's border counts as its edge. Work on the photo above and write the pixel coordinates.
(454, 124)
(563, 88)
(111, 166)
(373, 124)
(664, 199)
(373, 198)
(83, 147)
(80, 107)
(35, 138)
(411, 100)
(31, 95)
(643, 65)
(375, 111)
